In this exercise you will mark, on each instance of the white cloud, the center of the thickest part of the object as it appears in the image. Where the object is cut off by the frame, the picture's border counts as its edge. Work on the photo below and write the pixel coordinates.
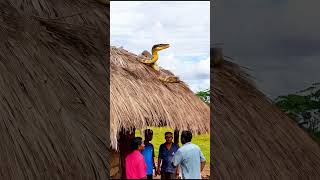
(184, 25)
(195, 73)
(199, 84)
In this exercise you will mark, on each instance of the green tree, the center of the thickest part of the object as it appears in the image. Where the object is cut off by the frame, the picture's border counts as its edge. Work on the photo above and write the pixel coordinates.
(204, 95)
(304, 108)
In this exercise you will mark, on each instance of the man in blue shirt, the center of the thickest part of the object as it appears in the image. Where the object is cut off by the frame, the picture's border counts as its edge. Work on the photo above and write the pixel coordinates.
(148, 152)
(189, 157)
(166, 153)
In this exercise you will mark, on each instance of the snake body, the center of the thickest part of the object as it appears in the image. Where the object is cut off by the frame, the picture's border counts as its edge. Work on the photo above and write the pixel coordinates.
(151, 59)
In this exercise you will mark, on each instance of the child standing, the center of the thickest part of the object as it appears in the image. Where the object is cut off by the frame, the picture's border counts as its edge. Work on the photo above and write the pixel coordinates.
(148, 153)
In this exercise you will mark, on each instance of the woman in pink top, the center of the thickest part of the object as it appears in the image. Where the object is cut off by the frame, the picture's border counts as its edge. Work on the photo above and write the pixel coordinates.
(136, 167)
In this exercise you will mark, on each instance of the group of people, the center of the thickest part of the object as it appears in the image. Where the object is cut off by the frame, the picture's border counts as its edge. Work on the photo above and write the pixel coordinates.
(140, 162)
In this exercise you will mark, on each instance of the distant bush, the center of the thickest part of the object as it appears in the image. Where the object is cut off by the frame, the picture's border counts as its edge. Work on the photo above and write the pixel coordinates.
(204, 95)
(304, 108)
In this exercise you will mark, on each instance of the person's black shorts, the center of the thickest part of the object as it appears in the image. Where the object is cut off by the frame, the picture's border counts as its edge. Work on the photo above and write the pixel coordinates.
(167, 175)
(149, 176)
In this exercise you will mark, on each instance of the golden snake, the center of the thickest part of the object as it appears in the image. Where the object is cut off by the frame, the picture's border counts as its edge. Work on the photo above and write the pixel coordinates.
(151, 59)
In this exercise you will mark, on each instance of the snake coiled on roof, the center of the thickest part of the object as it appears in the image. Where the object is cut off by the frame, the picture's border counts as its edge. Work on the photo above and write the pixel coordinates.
(151, 59)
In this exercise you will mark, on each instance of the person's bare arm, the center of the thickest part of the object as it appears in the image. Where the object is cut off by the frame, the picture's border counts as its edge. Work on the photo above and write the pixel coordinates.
(154, 167)
(203, 163)
(202, 160)
(158, 167)
(177, 171)
(153, 156)
(159, 160)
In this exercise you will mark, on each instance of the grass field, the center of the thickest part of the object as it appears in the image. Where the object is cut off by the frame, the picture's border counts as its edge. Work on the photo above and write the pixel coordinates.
(203, 141)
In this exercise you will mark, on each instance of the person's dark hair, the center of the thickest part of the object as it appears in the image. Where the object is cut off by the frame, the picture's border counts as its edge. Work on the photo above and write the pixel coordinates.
(167, 133)
(186, 135)
(148, 131)
(136, 142)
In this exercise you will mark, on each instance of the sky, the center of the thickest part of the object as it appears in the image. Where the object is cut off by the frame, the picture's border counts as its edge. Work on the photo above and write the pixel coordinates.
(138, 25)
(278, 40)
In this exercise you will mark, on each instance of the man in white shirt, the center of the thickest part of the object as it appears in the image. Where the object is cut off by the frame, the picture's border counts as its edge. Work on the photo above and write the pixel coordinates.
(189, 157)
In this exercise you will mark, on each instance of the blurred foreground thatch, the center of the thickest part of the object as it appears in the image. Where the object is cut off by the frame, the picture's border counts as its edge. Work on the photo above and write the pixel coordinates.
(53, 89)
(252, 139)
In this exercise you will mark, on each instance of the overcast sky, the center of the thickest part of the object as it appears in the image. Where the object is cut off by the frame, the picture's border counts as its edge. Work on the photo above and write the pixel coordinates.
(279, 40)
(137, 25)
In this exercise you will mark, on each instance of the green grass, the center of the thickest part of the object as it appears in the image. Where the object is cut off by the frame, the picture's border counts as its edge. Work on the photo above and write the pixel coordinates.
(203, 141)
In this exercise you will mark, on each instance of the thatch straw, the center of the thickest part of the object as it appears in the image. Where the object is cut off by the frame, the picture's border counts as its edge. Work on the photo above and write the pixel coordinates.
(138, 99)
(252, 138)
(217, 56)
(53, 82)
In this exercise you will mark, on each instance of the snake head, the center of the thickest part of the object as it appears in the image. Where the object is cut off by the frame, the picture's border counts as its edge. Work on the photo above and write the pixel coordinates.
(159, 47)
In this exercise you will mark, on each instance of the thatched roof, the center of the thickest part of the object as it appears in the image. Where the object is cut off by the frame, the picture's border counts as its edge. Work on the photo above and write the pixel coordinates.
(138, 99)
(53, 84)
(252, 138)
